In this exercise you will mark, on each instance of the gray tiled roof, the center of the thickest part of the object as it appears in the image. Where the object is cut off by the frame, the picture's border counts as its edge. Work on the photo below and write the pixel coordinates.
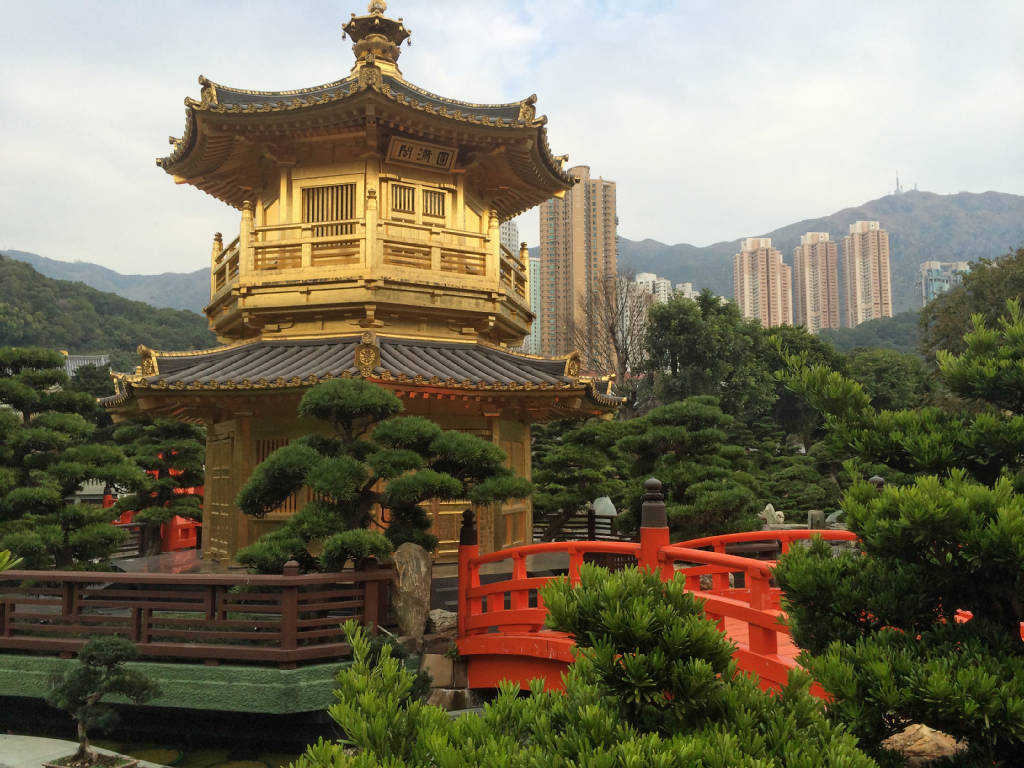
(240, 99)
(287, 360)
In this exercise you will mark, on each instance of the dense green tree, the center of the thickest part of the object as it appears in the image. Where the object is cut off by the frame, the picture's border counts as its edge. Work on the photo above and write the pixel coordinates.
(92, 379)
(39, 311)
(573, 464)
(986, 439)
(703, 461)
(171, 455)
(984, 290)
(654, 685)
(369, 459)
(900, 333)
(893, 380)
(705, 347)
(889, 640)
(45, 456)
(883, 627)
(99, 673)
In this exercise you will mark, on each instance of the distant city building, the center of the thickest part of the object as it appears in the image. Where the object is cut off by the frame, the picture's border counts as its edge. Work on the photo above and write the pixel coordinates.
(816, 282)
(686, 290)
(658, 287)
(937, 277)
(762, 283)
(532, 343)
(866, 273)
(508, 235)
(578, 258)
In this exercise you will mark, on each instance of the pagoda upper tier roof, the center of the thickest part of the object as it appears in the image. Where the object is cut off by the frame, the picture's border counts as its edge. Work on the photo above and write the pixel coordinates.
(295, 363)
(229, 129)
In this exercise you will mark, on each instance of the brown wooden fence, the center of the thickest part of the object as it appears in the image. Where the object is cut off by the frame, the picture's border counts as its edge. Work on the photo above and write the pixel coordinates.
(283, 620)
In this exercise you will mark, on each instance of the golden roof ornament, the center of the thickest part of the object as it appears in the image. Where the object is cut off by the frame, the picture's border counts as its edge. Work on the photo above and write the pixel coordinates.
(375, 36)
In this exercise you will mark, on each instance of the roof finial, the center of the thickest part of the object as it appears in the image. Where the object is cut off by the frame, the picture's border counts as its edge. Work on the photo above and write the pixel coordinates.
(376, 37)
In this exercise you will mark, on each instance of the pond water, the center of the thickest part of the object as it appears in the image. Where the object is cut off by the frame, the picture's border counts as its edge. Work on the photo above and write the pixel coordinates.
(191, 757)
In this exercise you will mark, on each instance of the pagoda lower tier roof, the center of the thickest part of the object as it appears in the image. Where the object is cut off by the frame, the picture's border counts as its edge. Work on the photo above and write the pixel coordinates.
(297, 363)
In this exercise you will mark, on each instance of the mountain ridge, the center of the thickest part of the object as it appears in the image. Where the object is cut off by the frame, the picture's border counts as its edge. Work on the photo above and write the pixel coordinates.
(922, 226)
(171, 290)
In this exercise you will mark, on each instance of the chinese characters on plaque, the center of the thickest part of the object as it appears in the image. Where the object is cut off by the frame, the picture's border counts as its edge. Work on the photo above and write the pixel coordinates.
(421, 154)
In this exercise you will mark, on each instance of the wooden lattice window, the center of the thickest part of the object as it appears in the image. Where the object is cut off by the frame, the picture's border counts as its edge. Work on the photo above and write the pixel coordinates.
(403, 198)
(433, 203)
(333, 203)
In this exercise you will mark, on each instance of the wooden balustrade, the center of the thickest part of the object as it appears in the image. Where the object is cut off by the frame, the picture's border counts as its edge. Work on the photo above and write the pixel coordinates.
(343, 244)
(213, 618)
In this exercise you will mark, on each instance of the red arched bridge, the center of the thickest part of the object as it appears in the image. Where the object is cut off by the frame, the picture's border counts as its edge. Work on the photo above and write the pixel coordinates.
(501, 624)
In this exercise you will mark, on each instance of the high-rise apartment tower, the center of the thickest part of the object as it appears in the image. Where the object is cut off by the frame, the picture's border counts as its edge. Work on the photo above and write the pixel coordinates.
(762, 283)
(937, 277)
(868, 286)
(578, 262)
(816, 282)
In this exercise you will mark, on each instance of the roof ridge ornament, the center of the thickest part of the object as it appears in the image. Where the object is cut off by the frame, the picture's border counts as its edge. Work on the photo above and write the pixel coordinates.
(375, 35)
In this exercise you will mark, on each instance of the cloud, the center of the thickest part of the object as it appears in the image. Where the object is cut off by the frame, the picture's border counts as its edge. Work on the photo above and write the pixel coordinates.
(716, 120)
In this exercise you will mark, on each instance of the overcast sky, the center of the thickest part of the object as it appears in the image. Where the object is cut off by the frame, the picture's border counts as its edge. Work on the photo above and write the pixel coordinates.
(716, 119)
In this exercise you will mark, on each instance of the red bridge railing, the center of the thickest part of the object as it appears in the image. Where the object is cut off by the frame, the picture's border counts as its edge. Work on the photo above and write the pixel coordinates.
(501, 623)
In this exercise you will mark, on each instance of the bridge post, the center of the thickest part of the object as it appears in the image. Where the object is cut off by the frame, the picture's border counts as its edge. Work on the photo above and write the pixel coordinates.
(468, 549)
(653, 529)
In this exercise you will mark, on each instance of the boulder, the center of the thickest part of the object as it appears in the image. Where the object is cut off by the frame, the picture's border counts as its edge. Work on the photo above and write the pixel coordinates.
(444, 622)
(412, 588)
(922, 745)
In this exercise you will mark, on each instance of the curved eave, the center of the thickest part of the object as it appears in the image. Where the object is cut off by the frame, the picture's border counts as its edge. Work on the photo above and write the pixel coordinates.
(220, 127)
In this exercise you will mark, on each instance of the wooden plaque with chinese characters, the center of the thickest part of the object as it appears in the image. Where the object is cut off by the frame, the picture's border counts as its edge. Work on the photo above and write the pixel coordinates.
(421, 154)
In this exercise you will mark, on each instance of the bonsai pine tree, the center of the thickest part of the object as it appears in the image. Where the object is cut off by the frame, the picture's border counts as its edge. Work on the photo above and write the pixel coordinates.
(369, 458)
(46, 454)
(100, 672)
(654, 685)
(573, 465)
(171, 455)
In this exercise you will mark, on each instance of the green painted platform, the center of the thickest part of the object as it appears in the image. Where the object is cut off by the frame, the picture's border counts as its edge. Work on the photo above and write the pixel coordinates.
(225, 688)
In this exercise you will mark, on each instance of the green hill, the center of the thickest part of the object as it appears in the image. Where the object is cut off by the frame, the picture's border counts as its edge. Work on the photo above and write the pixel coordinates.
(900, 333)
(177, 290)
(38, 311)
(922, 226)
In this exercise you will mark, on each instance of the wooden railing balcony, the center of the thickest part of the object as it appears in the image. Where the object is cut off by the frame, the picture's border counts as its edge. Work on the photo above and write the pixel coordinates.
(212, 618)
(346, 248)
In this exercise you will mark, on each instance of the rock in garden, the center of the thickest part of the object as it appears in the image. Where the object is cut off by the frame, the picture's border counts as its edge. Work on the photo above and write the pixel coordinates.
(412, 588)
(444, 622)
(921, 745)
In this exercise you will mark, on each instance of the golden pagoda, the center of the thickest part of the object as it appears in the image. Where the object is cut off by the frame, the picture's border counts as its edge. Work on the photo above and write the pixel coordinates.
(368, 247)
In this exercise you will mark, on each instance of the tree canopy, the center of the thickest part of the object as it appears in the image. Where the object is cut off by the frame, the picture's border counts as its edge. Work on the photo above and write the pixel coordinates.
(923, 623)
(653, 685)
(368, 459)
(39, 311)
(985, 289)
(46, 454)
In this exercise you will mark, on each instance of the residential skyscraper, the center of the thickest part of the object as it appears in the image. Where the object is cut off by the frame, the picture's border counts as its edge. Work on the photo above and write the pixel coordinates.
(937, 277)
(508, 235)
(816, 282)
(658, 287)
(868, 286)
(532, 343)
(578, 262)
(762, 283)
